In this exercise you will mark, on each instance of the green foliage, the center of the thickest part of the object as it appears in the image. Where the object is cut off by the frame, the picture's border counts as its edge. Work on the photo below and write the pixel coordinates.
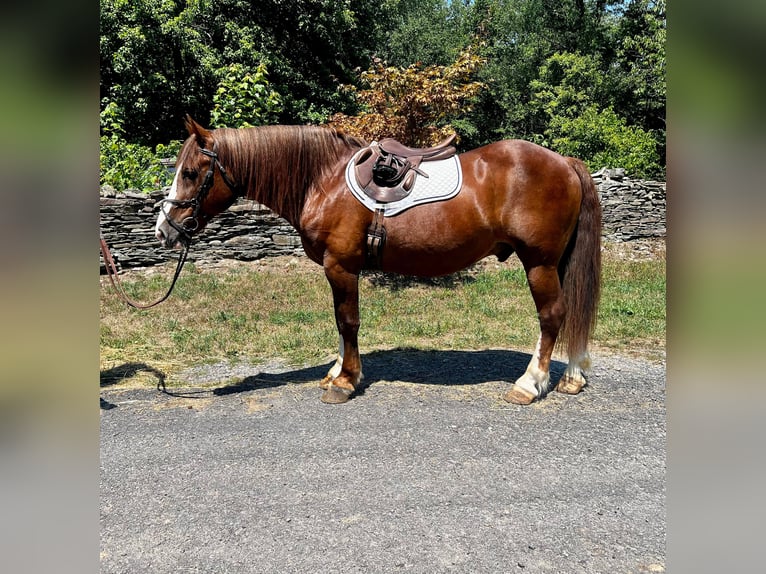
(567, 83)
(169, 150)
(244, 99)
(552, 67)
(156, 64)
(641, 57)
(129, 166)
(162, 59)
(603, 139)
(432, 32)
(567, 92)
(126, 165)
(111, 119)
(640, 68)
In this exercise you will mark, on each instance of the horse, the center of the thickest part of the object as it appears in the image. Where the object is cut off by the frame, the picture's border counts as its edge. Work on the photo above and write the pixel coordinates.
(516, 197)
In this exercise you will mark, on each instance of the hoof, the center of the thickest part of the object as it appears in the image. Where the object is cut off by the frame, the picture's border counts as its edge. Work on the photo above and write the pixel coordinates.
(324, 384)
(336, 395)
(519, 396)
(569, 386)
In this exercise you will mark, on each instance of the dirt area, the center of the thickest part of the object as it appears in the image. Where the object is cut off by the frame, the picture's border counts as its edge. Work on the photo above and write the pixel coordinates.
(638, 250)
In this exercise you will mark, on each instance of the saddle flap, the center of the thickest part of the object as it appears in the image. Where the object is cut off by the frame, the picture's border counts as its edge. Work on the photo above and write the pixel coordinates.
(395, 193)
(363, 166)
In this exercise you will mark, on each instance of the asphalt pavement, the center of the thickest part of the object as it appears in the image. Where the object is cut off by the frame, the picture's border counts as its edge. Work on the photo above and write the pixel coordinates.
(244, 470)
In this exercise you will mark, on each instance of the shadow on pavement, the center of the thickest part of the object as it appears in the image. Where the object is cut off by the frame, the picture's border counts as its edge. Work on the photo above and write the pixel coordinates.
(411, 366)
(119, 373)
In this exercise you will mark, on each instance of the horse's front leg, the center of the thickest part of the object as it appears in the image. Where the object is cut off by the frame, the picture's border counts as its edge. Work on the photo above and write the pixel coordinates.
(334, 371)
(345, 375)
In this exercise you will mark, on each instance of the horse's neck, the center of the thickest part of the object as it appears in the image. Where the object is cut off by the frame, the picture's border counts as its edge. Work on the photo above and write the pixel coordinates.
(278, 182)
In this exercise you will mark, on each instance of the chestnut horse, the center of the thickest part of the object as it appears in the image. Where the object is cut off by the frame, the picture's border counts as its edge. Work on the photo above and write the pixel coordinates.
(515, 197)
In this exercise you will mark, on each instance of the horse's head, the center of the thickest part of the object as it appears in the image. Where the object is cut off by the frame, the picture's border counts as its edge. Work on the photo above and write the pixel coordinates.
(201, 189)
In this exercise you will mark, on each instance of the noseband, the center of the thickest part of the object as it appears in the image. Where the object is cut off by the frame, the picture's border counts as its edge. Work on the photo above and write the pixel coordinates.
(191, 224)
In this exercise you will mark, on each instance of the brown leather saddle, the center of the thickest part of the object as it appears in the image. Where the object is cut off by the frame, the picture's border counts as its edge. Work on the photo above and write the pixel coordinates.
(386, 170)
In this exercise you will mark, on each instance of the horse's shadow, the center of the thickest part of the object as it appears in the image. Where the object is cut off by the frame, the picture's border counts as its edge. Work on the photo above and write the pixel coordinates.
(410, 365)
(403, 364)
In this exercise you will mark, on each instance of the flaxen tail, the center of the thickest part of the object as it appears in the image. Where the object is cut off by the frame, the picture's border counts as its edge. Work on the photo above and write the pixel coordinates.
(580, 269)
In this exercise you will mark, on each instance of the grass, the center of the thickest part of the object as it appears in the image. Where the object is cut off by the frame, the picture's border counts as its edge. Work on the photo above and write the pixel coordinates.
(262, 311)
(632, 311)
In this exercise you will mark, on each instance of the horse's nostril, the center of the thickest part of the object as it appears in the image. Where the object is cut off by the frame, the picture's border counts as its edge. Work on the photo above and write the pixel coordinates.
(160, 235)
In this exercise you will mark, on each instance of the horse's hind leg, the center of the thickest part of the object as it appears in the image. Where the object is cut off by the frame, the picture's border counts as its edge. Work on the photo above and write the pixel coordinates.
(343, 378)
(573, 379)
(546, 291)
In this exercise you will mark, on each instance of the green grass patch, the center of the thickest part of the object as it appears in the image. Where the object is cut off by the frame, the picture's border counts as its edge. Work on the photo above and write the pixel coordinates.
(632, 310)
(255, 313)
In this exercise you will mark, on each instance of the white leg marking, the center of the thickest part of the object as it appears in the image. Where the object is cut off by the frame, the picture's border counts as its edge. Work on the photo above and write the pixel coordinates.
(336, 368)
(576, 367)
(171, 195)
(535, 380)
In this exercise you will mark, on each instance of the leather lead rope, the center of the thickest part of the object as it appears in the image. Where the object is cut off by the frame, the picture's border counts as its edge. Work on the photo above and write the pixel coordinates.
(111, 271)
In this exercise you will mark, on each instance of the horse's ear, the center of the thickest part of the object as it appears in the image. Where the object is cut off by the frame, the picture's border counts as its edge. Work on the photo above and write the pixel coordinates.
(194, 129)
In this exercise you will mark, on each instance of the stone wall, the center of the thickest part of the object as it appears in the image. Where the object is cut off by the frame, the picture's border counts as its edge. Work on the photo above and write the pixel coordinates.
(632, 209)
(246, 231)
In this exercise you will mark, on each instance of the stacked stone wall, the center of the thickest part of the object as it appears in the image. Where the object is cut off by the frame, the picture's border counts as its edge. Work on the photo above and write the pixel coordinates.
(632, 209)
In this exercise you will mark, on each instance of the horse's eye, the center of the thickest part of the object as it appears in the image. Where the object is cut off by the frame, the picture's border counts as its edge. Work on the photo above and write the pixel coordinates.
(190, 174)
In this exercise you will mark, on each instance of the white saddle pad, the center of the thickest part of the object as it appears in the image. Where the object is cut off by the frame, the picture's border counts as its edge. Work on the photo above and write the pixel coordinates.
(443, 182)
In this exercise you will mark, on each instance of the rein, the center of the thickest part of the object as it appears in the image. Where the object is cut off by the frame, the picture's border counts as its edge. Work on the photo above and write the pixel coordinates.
(186, 228)
(111, 271)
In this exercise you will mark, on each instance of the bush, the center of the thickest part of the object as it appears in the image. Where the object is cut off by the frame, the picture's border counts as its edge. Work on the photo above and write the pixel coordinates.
(417, 105)
(579, 123)
(244, 99)
(125, 165)
(130, 166)
(603, 139)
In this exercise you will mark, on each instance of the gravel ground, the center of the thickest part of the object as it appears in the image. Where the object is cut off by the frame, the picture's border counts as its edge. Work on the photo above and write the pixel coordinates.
(427, 470)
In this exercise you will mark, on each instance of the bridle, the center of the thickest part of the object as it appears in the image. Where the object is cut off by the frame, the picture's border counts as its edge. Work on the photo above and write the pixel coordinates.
(186, 228)
(191, 224)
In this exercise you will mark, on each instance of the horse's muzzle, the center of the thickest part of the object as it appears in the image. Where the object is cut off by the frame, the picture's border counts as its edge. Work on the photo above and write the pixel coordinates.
(169, 237)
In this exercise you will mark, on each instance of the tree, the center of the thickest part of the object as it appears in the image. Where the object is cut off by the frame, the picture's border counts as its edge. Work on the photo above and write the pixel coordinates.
(604, 139)
(244, 99)
(309, 46)
(641, 91)
(126, 165)
(155, 65)
(161, 59)
(413, 104)
(569, 91)
(429, 32)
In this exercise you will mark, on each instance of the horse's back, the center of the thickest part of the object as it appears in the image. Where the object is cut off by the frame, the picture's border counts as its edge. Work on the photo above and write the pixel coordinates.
(516, 163)
(528, 190)
(515, 194)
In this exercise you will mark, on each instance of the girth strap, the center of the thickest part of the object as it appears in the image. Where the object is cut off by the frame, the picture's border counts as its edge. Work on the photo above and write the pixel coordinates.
(376, 241)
